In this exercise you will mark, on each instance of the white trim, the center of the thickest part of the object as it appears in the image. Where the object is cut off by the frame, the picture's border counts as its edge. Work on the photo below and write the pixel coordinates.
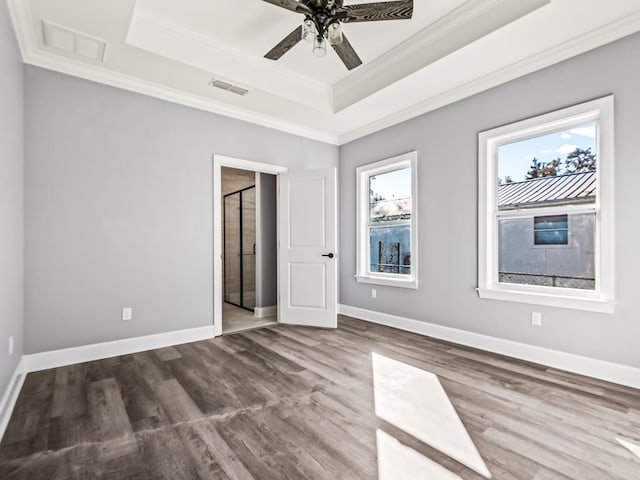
(600, 111)
(363, 275)
(173, 95)
(462, 26)
(173, 41)
(261, 312)
(220, 161)
(97, 351)
(10, 395)
(258, 239)
(387, 281)
(598, 305)
(597, 38)
(592, 367)
(31, 55)
(86, 353)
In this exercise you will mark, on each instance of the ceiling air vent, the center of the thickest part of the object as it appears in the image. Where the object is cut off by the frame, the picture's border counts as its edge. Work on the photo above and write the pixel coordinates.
(229, 87)
(73, 43)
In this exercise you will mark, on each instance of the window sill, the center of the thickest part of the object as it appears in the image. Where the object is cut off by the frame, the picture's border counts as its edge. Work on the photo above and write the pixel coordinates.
(599, 305)
(389, 282)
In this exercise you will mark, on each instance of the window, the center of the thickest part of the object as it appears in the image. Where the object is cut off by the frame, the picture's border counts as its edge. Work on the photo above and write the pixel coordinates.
(551, 230)
(546, 209)
(387, 222)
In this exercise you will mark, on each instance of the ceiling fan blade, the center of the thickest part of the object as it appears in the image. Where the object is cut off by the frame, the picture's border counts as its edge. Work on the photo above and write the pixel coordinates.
(377, 11)
(347, 54)
(285, 45)
(292, 5)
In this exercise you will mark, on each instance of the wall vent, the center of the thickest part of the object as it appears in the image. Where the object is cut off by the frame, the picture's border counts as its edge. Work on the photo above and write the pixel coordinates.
(74, 43)
(229, 87)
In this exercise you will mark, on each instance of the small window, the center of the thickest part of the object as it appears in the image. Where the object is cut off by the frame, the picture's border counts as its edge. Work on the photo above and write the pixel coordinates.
(546, 209)
(387, 236)
(551, 230)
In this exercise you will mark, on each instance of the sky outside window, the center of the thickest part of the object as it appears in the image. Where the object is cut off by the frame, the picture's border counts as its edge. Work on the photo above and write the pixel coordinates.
(514, 159)
(392, 185)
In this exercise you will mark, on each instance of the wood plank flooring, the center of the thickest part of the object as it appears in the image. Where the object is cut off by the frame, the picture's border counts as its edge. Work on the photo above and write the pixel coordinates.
(300, 403)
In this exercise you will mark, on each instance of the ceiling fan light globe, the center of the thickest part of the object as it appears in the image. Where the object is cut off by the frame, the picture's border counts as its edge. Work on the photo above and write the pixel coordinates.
(319, 47)
(334, 34)
(308, 30)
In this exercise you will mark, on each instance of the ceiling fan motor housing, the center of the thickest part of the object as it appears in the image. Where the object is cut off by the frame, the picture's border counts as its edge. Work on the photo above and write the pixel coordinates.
(327, 16)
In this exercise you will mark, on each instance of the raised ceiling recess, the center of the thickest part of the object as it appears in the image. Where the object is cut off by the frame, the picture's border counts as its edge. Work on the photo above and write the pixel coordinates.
(424, 55)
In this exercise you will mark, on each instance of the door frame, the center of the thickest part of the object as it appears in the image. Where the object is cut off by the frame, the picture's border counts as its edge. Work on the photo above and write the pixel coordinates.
(220, 161)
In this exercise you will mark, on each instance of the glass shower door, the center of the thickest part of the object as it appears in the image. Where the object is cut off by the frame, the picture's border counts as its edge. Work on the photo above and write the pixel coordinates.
(239, 248)
(248, 205)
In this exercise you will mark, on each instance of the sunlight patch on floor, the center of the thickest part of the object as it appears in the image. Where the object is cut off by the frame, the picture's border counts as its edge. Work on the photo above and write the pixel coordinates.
(632, 447)
(414, 401)
(399, 462)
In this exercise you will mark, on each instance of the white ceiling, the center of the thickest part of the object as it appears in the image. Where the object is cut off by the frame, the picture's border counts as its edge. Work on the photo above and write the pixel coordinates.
(449, 50)
(261, 26)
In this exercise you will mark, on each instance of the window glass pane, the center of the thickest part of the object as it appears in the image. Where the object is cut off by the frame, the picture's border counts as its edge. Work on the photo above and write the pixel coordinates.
(390, 249)
(551, 230)
(390, 196)
(551, 237)
(554, 169)
(569, 265)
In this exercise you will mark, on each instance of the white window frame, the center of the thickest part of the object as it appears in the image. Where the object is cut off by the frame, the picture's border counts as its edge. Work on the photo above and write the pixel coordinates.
(602, 299)
(363, 268)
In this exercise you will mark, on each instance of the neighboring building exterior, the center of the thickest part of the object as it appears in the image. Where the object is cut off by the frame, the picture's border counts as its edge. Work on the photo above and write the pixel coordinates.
(390, 249)
(554, 250)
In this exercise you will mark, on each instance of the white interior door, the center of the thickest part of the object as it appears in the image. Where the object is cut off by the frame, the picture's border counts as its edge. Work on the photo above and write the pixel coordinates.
(308, 257)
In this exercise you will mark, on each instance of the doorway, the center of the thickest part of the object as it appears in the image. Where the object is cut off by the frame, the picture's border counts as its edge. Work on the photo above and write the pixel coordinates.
(305, 222)
(249, 249)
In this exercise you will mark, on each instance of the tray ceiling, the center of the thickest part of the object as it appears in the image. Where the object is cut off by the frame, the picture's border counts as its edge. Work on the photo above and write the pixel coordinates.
(449, 50)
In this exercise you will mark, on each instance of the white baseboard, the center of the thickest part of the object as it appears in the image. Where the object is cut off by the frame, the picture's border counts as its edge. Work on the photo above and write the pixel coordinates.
(10, 395)
(87, 353)
(261, 312)
(591, 367)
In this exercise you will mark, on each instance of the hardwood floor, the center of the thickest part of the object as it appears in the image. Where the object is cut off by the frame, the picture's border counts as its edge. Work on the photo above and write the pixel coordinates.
(360, 402)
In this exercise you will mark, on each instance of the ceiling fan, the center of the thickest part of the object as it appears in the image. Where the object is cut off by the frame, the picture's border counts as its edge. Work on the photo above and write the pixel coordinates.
(323, 23)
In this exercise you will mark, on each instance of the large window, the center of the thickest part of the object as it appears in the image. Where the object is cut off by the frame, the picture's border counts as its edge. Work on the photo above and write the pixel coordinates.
(387, 233)
(546, 209)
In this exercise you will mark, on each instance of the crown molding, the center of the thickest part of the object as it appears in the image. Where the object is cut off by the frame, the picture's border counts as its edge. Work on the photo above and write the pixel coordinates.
(163, 92)
(576, 46)
(31, 55)
(609, 33)
(469, 22)
(185, 46)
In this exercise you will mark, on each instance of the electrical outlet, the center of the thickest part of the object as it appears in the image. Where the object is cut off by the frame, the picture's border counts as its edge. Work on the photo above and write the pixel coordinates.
(11, 342)
(127, 314)
(374, 293)
(536, 319)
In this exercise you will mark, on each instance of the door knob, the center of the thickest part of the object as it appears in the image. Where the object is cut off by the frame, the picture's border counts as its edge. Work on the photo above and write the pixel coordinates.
(330, 255)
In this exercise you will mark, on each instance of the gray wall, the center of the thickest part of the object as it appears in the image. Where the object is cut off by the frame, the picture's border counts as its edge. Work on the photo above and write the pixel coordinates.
(11, 198)
(446, 141)
(119, 208)
(268, 269)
